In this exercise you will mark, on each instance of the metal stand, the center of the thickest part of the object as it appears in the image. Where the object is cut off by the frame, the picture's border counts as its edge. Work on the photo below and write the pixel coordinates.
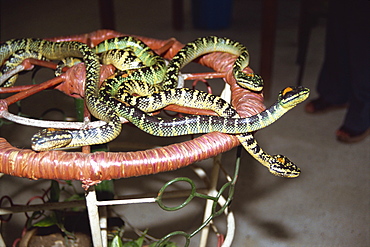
(98, 223)
(97, 210)
(203, 147)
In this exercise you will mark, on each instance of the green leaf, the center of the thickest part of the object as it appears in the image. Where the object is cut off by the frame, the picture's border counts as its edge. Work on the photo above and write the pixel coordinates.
(75, 197)
(106, 185)
(79, 103)
(140, 240)
(35, 215)
(131, 244)
(47, 221)
(105, 190)
(54, 191)
(116, 242)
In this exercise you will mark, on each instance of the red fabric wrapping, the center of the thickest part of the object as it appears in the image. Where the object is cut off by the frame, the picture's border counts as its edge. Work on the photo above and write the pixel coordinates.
(93, 168)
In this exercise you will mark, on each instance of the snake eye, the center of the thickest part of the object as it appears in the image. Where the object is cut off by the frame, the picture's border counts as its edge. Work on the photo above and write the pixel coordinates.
(288, 92)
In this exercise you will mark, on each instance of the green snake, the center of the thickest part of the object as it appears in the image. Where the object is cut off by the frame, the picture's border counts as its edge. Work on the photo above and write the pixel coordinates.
(194, 124)
(209, 44)
(59, 50)
(198, 124)
(15, 59)
(278, 165)
(153, 72)
(157, 72)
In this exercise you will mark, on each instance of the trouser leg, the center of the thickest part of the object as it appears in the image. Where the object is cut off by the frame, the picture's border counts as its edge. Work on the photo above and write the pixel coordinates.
(334, 79)
(358, 113)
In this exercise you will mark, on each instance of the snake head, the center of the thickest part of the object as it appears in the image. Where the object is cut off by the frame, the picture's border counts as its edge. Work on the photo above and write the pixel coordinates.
(289, 97)
(249, 81)
(281, 166)
(48, 139)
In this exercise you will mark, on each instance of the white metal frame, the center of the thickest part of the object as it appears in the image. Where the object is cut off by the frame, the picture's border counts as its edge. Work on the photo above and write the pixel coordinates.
(97, 210)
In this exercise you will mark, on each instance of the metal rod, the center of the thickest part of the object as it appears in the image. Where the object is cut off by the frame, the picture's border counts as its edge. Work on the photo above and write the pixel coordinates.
(142, 198)
(209, 203)
(104, 225)
(230, 230)
(2, 243)
(93, 213)
(123, 202)
(39, 207)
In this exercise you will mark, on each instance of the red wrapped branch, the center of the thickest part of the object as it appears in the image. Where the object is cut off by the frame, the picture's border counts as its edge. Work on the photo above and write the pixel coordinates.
(91, 168)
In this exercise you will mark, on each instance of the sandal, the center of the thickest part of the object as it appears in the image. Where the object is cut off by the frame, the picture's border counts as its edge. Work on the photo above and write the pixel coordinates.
(347, 136)
(319, 105)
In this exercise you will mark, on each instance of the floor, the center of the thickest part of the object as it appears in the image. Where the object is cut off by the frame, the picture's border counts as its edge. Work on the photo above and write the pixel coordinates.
(328, 205)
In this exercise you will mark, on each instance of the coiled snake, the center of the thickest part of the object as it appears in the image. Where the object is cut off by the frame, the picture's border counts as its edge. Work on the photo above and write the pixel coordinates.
(105, 106)
(278, 165)
(60, 50)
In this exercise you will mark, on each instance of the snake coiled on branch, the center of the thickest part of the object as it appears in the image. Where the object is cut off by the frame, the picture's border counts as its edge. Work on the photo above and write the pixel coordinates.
(159, 81)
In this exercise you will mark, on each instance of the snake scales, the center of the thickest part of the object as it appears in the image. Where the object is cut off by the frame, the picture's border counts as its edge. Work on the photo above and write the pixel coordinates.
(278, 165)
(102, 105)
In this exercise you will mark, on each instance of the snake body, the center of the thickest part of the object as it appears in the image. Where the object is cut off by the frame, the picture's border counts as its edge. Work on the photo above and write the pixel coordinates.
(149, 74)
(158, 73)
(153, 97)
(155, 65)
(15, 59)
(60, 50)
(209, 44)
(153, 72)
(122, 59)
(197, 124)
(278, 165)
